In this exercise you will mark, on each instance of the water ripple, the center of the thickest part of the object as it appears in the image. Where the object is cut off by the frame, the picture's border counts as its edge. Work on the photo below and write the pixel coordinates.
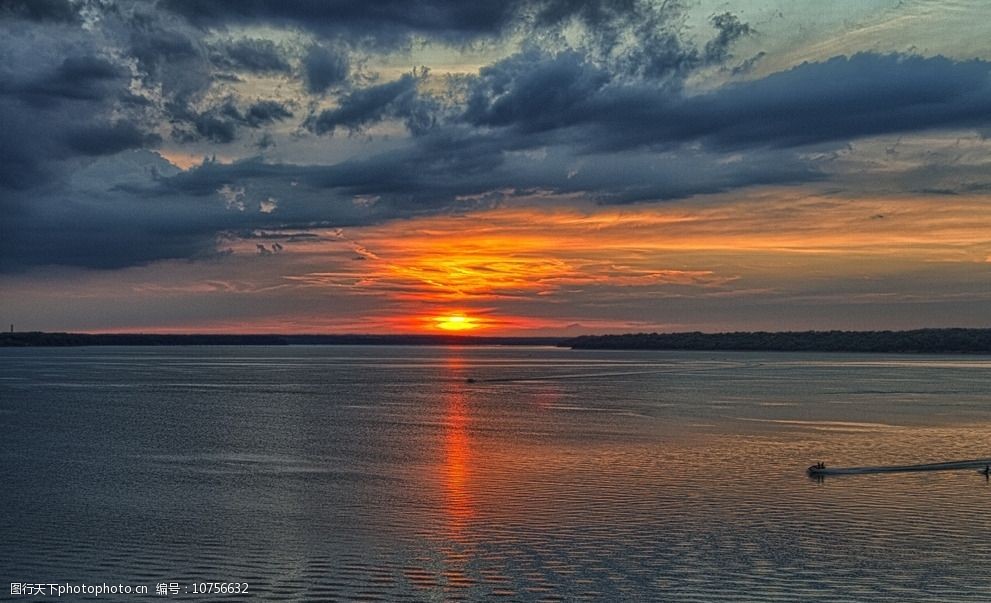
(363, 474)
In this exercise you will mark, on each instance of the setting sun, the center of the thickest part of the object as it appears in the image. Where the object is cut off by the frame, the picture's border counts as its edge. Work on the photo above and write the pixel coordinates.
(456, 322)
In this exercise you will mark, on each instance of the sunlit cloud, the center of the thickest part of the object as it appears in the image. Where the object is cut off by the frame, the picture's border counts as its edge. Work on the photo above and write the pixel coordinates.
(710, 263)
(779, 244)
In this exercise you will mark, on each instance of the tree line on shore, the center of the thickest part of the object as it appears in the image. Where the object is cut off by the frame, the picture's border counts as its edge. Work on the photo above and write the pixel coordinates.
(40, 338)
(919, 341)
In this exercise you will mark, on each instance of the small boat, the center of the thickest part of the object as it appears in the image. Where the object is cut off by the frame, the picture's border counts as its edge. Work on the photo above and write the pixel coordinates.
(982, 465)
(469, 380)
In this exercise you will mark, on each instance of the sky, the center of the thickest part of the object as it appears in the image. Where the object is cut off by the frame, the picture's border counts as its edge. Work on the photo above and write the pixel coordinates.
(518, 167)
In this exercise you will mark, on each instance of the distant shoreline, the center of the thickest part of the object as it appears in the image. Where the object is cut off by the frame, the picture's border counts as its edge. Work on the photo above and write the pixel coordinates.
(919, 341)
(45, 339)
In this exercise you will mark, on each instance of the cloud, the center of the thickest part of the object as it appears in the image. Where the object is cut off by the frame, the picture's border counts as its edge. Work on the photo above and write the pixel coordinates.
(220, 123)
(533, 91)
(57, 11)
(396, 99)
(211, 126)
(266, 112)
(107, 139)
(730, 29)
(598, 101)
(107, 214)
(254, 55)
(324, 67)
(457, 168)
(841, 99)
(75, 78)
(62, 96)
(392, 23)
(385, 21)
(169, 58)
(90, 78)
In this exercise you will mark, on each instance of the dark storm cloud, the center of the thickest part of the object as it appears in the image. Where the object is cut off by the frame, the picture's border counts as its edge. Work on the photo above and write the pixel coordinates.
(422, 177)
(637, 38)
(608, 129)
(21, 156)
(251, 54)
(111, 242)
(454, 162)
(397, 99)
(88, 78)
(606, 177)
(592, 12)
(220, 123)
(155, 46)
(169, 58)
(105, 217)
(77, 78)
(383, 20)
(446, 166)
(841, 99)
(392, 22)
(266, 112)
(214, 128)
(107, 139)
(730, 29)
(533, 91)
(609, 116)
(324, 67)
(57, 11)
(61, 98)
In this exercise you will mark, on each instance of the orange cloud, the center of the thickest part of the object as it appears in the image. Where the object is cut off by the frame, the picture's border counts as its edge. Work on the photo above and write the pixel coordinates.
(569, 269)
(438, 265)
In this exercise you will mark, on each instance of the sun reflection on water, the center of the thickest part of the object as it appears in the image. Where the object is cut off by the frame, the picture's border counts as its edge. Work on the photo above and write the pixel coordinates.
(457, 453)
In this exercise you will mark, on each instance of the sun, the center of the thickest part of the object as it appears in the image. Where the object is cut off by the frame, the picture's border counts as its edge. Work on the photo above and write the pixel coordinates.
(455, 322)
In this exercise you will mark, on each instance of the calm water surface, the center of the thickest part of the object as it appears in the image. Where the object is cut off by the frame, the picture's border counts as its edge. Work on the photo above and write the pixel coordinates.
(380, 473)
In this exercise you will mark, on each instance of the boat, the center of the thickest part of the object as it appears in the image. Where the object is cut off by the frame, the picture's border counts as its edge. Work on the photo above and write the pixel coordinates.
(983, 465)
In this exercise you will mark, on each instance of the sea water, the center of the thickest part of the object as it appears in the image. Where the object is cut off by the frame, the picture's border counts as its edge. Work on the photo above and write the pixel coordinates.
(383, 473)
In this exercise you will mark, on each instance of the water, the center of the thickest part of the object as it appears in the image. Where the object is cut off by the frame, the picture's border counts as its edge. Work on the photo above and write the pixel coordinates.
(380, 473)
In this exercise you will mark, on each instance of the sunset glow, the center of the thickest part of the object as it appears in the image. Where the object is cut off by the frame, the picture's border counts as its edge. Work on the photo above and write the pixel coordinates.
(560, 269)
(456, 322)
